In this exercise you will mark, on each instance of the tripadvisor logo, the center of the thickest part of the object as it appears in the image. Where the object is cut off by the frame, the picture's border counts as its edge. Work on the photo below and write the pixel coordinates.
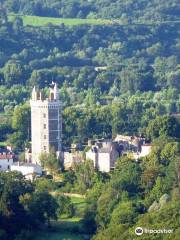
(138, 231)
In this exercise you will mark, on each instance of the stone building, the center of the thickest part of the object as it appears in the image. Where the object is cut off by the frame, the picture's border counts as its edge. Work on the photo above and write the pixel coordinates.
(28, 170)
(46, 122)
(129, 143)
(144, 151)
(104, 155)
(71, 158)
(6, 160)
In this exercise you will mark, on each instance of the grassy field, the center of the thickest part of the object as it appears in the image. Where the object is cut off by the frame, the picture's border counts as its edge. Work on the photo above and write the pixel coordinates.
(44, 21)
(3, 144)
(66, 228)
(37, 21)
(79, 203)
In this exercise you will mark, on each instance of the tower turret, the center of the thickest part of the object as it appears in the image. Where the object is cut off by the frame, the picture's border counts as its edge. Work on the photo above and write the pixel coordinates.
(54, 92)
(34, 94)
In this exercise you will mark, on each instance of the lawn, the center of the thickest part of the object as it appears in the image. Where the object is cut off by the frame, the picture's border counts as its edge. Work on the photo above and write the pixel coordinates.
(37, 21)
(44, 21)
(67, 228)
(64, 229)
(79, 203)
(3, 144)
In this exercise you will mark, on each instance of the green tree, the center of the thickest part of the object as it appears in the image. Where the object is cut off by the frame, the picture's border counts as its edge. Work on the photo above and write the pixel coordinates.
(13, 73)
(41, 206)
(163, 126)
(50, 161)
(64, 205)
(12, 187)
(84, 173)
(124, 213)
(21, 120)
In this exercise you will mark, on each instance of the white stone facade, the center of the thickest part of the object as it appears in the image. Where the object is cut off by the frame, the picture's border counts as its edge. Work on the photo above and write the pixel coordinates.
(28, 170)
(6, 160)
(71, 158)
(46, 122)
(145, 150)
(103, 155)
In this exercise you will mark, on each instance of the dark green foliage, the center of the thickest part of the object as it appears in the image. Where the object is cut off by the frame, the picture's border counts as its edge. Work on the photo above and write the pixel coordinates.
(5, 128)
(135, 92)
(70, 55)
(22, 207)
(163, 126)
(50, 162)
(84, 173)
(64, 206)
(153, 206)
(127, 11)
(22, 127)
(137, 59)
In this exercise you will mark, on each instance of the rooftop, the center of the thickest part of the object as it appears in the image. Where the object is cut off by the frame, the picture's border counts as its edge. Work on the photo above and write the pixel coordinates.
(6, 156)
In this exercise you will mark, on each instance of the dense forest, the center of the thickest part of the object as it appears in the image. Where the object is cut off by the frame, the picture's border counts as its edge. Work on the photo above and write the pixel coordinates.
(126, 10)
(116, 78)
(136, 194)
(128, 72)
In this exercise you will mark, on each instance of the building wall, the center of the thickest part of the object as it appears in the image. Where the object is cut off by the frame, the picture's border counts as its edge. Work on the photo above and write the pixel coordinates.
(55, 126)
(39, 128)
(114, 157)
(104, 162)
(46, 124)
(92, 156)
(145, 150)
(71, 158)
(27, 169)
(5, 164)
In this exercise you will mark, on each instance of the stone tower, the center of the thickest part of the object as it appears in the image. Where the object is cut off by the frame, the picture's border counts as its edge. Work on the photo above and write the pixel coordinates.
(46, 122)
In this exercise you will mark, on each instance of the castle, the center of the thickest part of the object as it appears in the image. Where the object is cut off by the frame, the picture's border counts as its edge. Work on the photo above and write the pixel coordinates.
(46, 122)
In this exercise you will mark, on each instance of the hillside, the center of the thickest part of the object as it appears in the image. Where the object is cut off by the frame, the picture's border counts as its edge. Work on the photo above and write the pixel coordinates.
(116, 65)
(94, 65)
(128, 10)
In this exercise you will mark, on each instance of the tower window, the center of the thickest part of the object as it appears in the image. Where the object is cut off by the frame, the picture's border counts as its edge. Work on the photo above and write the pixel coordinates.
(45, 137)
(44, 126)
(52, 96)
(45, 148)
(44, 115)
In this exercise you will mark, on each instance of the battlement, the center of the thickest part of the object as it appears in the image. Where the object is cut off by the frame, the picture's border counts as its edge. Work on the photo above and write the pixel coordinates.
(37, 95)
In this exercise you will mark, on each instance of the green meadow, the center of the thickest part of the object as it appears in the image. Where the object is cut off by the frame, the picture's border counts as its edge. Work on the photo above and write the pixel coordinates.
(44, 21)
(37, 21)
(66, 228)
